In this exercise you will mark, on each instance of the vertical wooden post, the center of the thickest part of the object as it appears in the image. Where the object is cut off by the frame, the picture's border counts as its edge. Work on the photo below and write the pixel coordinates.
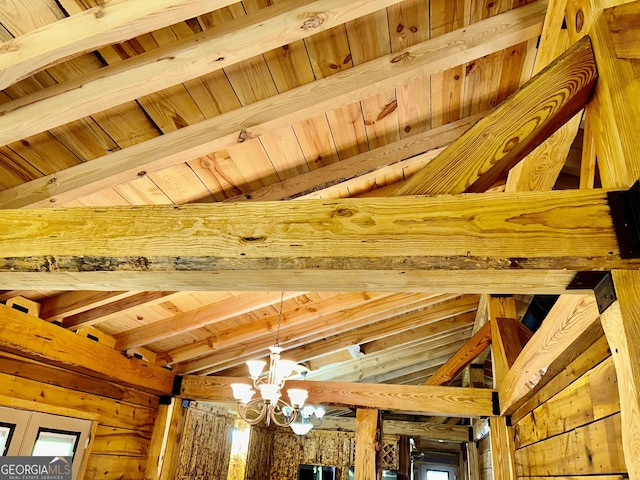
(155, 452)
(170, 451)
(505, 344)
(473, 465)
(502, 449)
(368, 443)
(621, 324)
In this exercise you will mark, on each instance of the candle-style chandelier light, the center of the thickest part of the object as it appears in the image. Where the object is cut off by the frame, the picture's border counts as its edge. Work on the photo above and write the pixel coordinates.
(270, 407)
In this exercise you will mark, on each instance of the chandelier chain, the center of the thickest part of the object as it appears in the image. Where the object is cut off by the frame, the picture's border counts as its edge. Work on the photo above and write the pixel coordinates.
(277, 344)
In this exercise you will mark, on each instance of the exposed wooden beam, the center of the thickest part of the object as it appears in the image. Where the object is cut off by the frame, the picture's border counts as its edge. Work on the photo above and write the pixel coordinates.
(282, 244)
(540, 169)
(107, 23)
(621, 324)
(369, 309)
(613, 118)
(569, 318)
(432, 56)
(496, 143)
(474, 347)
(178, 62)
(25, 335)
(368, 438)
(624, 26)
(199, 317)
(237, 343)
(505, 342)
(449, 401)
(70, 303)
(98, 314)
(315, 182)
(431, 431)
(502, 449)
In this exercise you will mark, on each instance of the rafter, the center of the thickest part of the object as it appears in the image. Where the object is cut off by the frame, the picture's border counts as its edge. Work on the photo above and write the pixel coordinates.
(188, 143)
(487, 151)
(107, 23)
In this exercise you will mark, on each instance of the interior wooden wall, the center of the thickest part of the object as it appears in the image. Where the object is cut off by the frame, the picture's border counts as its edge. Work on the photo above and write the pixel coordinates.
(124, 416)
(280, 452)
(205, 449)
(485, 464)
(572, 426)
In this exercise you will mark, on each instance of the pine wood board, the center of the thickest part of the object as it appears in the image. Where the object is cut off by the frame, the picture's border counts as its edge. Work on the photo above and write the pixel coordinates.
(181, 185)
(284, 152)
(120, 441)
(213, 94)
(171, 109)
(316, 141)
(329, 51)
(380, 113)
(252, 164)
(142, 191)
(45, 153)
(126, 124)
(348, 129)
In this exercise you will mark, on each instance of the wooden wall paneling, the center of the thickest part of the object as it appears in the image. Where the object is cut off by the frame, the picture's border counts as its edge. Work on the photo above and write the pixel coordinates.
(120, 441)
(589, 398)
(591, 357)
(110, 467)
(205, 448)
(593, 449)
(473, 462)
(484, 459)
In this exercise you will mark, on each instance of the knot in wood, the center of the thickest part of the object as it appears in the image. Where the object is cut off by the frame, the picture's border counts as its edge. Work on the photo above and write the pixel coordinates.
(342, 212)
(312, 22)
(401, 57)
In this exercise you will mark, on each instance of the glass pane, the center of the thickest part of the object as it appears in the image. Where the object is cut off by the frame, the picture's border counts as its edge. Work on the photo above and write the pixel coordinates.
(6, 431)
(55, 443)
(437, 475)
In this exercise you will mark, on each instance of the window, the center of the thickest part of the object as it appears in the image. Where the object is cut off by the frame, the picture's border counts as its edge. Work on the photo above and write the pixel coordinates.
(437, 475)
(58, 443)
(6, 432)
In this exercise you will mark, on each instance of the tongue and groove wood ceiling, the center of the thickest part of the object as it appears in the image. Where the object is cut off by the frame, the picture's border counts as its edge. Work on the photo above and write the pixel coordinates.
(214, 101)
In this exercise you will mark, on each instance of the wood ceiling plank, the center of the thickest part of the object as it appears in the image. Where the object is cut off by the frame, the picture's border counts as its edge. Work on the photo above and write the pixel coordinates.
(567, 320)
(450, 401)
(369, 311)
(317, 144)
(181, 185)
(292, 106)
(381, 122)
(284, 152)
(348, 130)
(173, 64)
(190, 320)
(513, 129)
(241, 344)
(26, 335)
(109, 23)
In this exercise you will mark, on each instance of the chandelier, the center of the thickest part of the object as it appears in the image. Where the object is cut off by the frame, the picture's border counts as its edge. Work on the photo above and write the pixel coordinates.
(270, 407)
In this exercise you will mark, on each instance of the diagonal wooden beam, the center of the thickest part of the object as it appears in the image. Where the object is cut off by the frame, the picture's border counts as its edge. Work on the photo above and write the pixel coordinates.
(433, 400)
(501, 139)
(568, 320)
(269, 245)
(477, 40)
(611, 115)
(477, 344)
(25, 335)
(70, 303)
(107, 23)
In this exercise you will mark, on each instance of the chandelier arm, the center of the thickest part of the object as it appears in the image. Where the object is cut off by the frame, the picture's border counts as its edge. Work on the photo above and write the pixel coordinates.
(255, 405)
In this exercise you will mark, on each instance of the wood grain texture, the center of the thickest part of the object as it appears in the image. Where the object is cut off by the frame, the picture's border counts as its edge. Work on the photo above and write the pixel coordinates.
(513, 129)
(567, 320)
(49, 343)
(502, 449)
(474, 347)
(449, 401)
(282, 110)
(368, 431)
(624, 26)
(621, 324)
